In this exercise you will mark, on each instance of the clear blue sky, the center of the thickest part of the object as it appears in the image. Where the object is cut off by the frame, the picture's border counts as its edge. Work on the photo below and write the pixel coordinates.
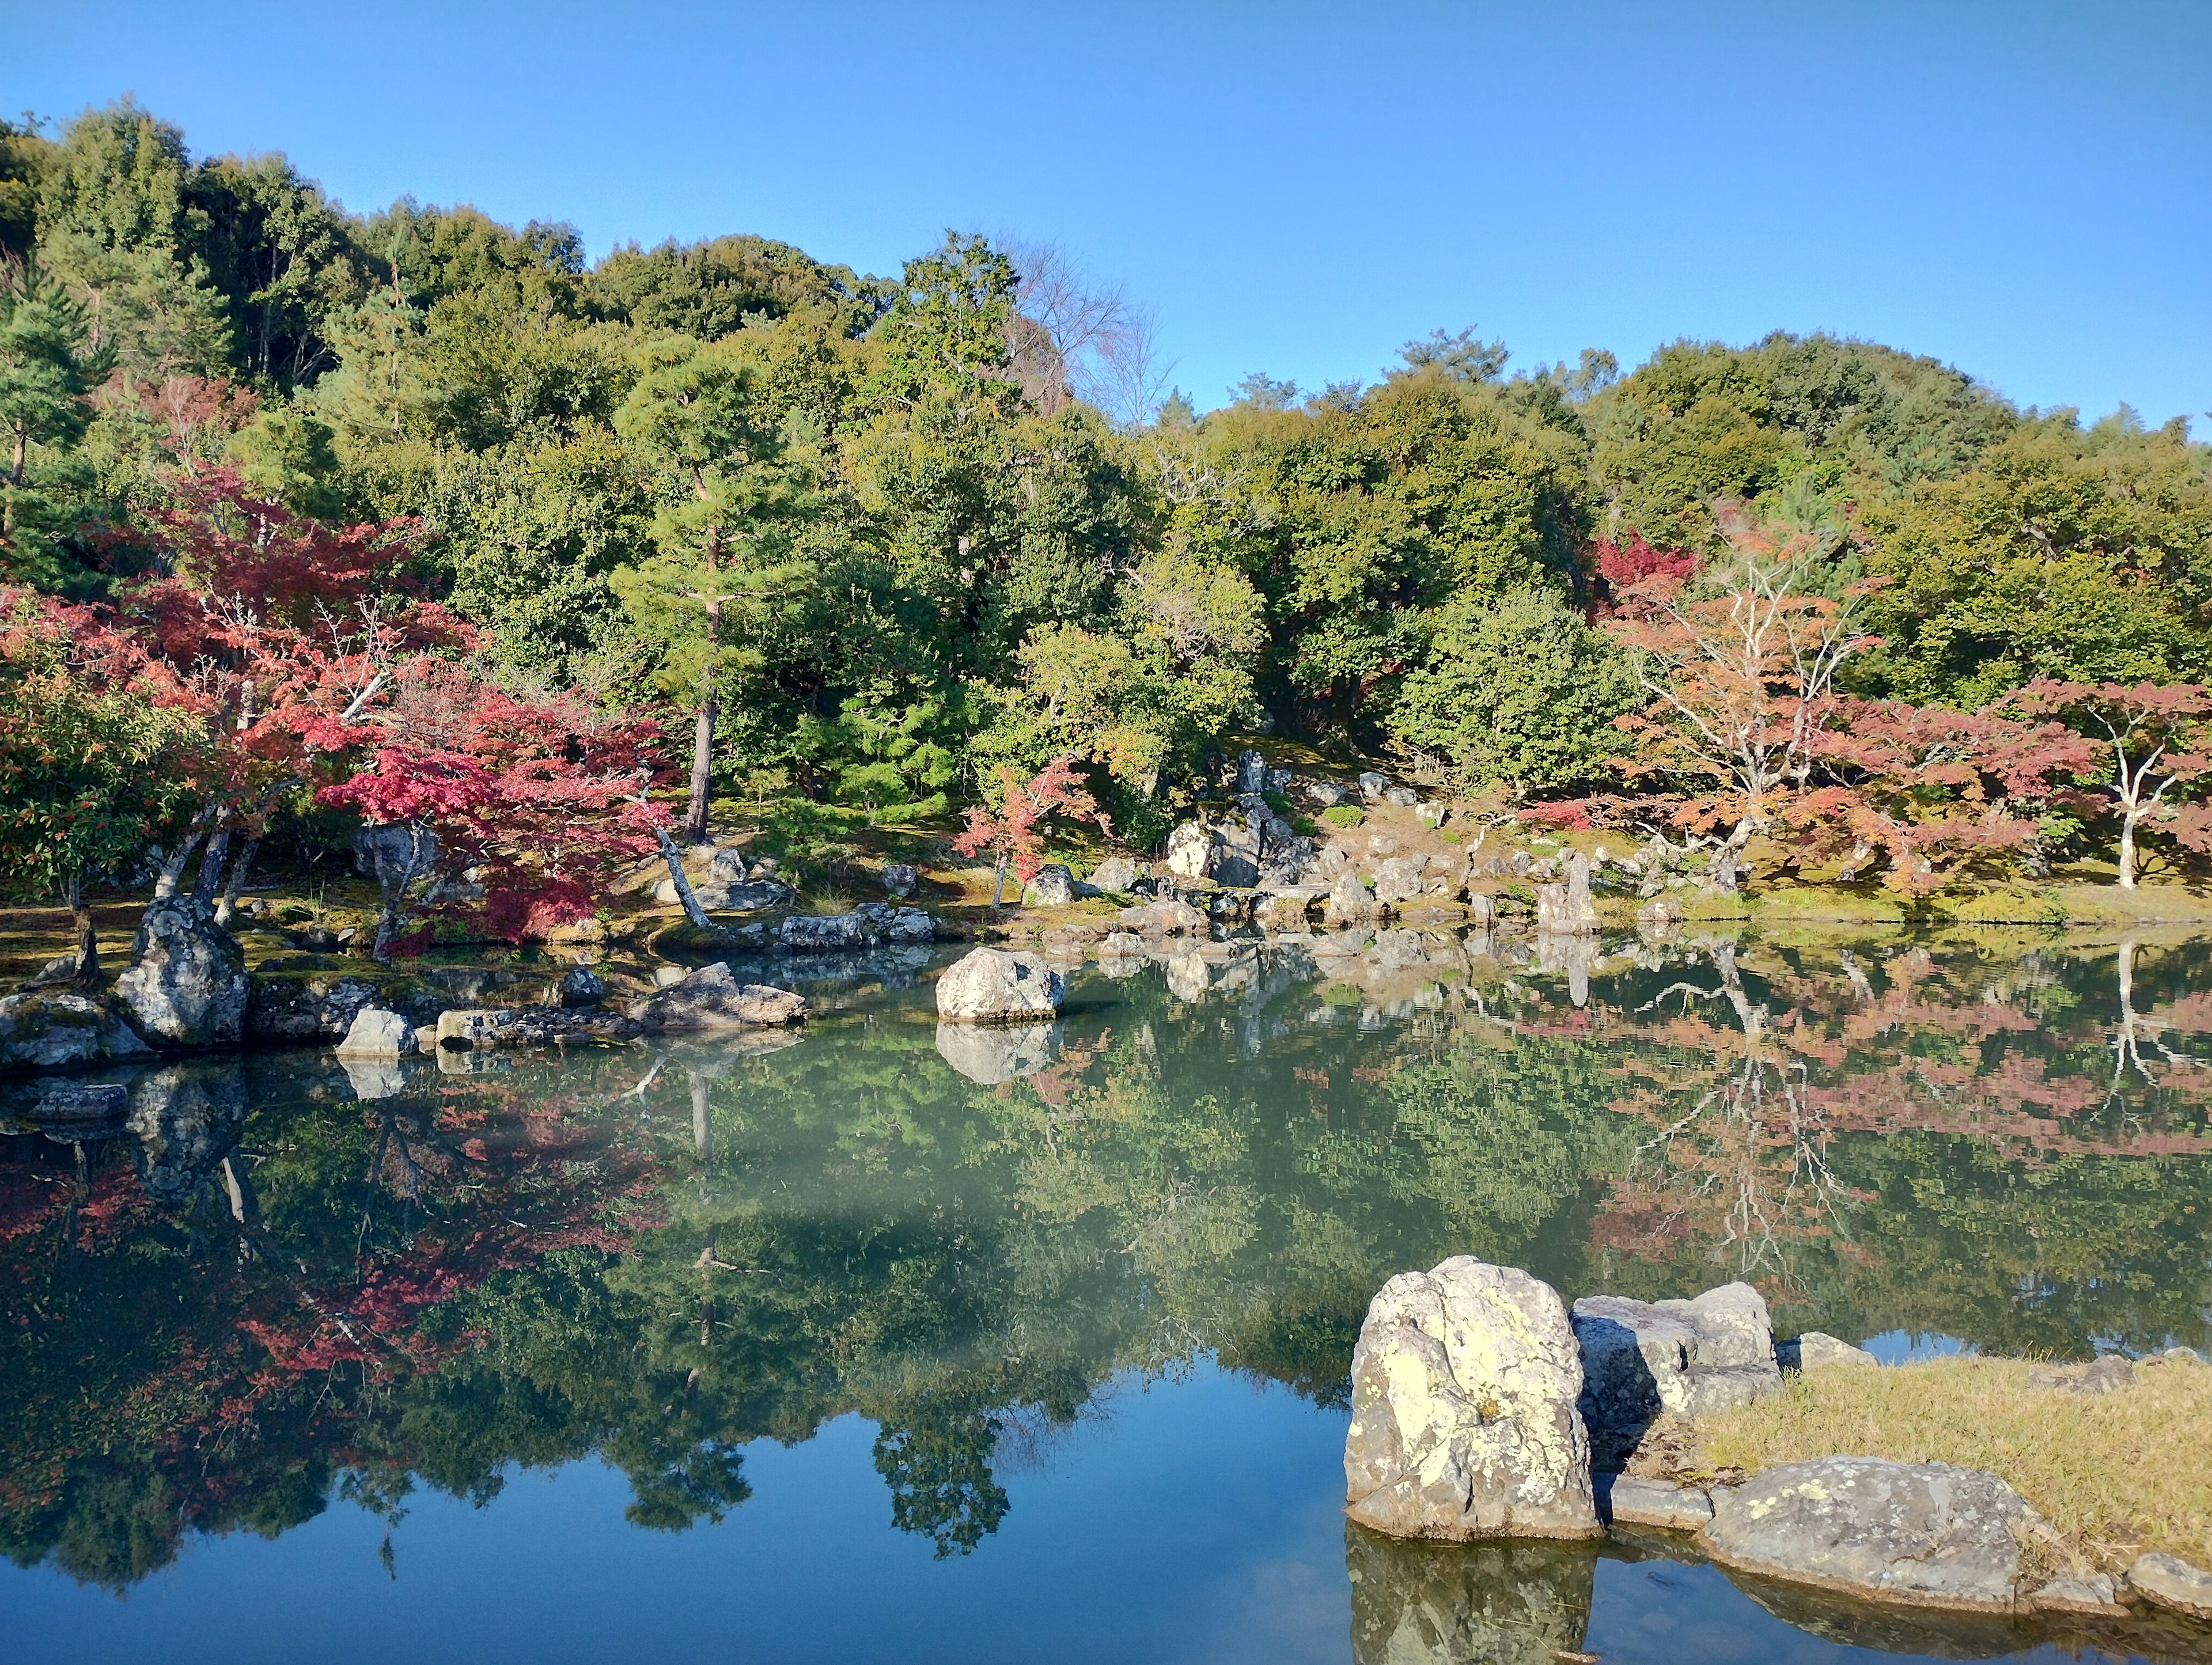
(2024, 190)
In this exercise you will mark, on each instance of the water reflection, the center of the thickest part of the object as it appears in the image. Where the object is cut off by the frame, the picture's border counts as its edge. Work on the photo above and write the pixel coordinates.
(280, 1281)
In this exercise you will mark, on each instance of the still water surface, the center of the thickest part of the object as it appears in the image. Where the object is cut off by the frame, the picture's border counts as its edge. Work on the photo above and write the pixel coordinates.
(1034, 1345)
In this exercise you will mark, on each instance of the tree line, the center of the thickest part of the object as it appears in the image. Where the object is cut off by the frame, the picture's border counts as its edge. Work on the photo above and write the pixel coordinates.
(891, 542)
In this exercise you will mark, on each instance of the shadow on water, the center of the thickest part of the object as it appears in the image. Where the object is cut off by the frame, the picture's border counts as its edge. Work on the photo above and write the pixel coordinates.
(309, 1282)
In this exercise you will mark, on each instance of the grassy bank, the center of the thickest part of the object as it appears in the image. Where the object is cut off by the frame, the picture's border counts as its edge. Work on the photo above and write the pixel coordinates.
(2117, 1474)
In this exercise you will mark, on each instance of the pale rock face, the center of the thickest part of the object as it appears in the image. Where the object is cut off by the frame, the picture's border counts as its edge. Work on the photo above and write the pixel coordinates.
(1190, 851)
(1566, 909)
(376, 1033)
(1163, 919)
(1399, 878)
(1429, 814)
(1347, 901)
(186, 982)
(1818, 1351)
(2170, 1581)
(1403, 797)
(1373, 786)
(993, 985)
(1325, 793)
(1659, 1503)
(1692, 1357)
(1463, 1420)
(712, 998)
(468, 1031)
(1926, 1533)
(1116, 873)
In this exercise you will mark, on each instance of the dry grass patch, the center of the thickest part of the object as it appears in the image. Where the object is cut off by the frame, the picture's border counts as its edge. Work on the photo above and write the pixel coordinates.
(2117, 1474)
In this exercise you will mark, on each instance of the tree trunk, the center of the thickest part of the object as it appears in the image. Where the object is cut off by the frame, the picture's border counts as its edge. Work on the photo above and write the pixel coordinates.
(210, 878)
(395, 881)
(702, 758)
(2128, 819)
(88, 939)
(173, 866)
(998, 880)
(684, 893)
(227, 909)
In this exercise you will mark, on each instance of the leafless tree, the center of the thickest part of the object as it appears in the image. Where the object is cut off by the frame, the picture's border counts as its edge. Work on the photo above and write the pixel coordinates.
(1074, 339)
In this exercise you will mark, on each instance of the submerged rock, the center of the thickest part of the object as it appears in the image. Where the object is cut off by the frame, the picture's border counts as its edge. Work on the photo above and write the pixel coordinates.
(1926, 1533)
(992, 984)
(1463, 1420)
(186, 982)
(54, 1031)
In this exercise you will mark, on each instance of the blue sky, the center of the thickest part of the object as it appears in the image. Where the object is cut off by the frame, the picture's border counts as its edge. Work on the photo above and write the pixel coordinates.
(2020, 189)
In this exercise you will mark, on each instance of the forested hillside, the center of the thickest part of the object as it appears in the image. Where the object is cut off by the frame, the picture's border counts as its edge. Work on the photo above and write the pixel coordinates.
(867, 539)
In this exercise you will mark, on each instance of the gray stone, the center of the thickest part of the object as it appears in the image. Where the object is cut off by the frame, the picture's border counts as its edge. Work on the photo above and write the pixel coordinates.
(1052, 887)
(1382, 844)
(1347, 901)
(1429, 813)
(470, 1028)
(1404, 798)
(1237, 845)
(62, 968)
(1692, 1357)
(1817, 1350)
(2175, 1356)
(1635, 1502)
(185, 1118)
(712, 997)
(426, 1038)
(2167, 1580)
(901, 926)
(1463, 1417)
(54, 1030)
(1190, 851)
(1399, 878)
(1566, 909)
(1163, 919)
(1373, 786)
(1658, 916)
(1278, 779)
(1926, 1533)
(2090, 1593)
(988, 1053)
(2107, 1374)
(372, 1078)
(991, 985)
(581, 986)
(1116, 873)
(186, 982)
(900, 879)
(1251, 772)
(821, 933)
(377, 1033)
(1325, 794)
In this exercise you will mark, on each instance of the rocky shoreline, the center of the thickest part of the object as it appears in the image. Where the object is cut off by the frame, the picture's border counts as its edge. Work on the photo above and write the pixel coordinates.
(1485, 1409)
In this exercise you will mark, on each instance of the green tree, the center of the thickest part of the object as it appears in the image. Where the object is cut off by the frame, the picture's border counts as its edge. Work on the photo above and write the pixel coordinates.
(47, 371)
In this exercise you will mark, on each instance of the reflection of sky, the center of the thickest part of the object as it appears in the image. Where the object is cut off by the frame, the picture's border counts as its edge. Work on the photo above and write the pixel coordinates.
(1905, 1347)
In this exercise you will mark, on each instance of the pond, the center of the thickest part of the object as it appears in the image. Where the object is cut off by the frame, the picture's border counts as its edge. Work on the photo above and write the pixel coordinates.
(867, 1342)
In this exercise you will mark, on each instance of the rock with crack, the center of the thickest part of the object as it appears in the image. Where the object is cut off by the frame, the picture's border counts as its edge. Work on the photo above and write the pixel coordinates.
(186, 982)
(1464, 1423)
(1190, 851)
(994, 985)
(988, 1053)
(1566, 909)
(712, 997)
(1633, 1502)
(1398, 878)
(2169, 1582)
(1692, 1357)
(54, 1031)
(1925, 1532)
(377, 1033)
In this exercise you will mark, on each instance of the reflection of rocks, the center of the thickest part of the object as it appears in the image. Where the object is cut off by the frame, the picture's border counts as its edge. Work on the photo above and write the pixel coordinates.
(75, 1111)
(1463, 1417)
(1692, 1357)
(1921, 1532)
(186, 981)
(990, 984)
(1498, 1602)
(54, 1031)
(987, 1054)
(185, 1118)
(373, 1078)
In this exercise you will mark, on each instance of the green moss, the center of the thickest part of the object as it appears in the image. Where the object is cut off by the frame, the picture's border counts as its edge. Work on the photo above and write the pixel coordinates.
(1344, 815)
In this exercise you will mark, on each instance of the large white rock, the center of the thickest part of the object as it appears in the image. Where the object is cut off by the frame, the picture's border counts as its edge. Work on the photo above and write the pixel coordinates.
(377, 1033)
(990, 985)
(1566, 909)
(1463, 1417)
(1190, 851)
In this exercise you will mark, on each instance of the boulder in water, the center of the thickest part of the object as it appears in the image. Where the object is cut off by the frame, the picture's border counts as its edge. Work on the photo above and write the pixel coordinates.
(51, 1030)
(712, 997)
(377, 1033)
(1464, 1423)
(994, 985)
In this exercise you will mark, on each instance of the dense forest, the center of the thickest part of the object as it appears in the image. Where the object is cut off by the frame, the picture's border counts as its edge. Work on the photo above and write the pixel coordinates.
(304, 509)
